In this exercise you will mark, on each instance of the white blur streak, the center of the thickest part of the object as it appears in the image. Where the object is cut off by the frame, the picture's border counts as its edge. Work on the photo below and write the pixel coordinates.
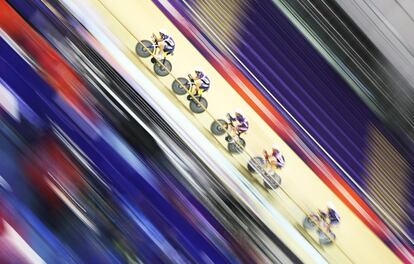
(8, 102)
(4, 184)
(71, 205)
(17, 244)
(181, 125)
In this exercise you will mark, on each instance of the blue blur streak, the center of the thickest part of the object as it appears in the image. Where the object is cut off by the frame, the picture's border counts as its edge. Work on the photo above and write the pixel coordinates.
(130, 177)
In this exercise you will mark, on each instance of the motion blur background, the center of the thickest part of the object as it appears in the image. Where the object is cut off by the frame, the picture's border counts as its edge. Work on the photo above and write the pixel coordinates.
(100, 162)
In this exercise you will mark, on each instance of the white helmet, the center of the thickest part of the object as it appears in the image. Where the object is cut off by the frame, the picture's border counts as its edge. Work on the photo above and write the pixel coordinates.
(163, 31)
(330, 205)
(238, 111)
(198, 70)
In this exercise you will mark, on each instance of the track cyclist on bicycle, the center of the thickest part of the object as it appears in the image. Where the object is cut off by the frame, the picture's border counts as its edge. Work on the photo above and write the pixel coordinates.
(275, 158)
(331, 216)
(241, 125)
(166, 44)
(200, 83)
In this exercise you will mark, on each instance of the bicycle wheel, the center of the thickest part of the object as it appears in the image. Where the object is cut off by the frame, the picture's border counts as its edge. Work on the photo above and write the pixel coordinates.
(255, 164)
(326, 240)
(272, 181)
(177, 86)
(219, 127)
(144, 49)
(308, 223)
(162, 68)
(238, 147)
(198, 107)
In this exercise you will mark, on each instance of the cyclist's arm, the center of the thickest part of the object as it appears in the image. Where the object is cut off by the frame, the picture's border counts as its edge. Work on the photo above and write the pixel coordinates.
(230, 118)
(266, 155)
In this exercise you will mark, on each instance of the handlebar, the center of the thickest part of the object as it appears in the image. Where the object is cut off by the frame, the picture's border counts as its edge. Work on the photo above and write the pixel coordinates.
(228, 116)
(230, 121)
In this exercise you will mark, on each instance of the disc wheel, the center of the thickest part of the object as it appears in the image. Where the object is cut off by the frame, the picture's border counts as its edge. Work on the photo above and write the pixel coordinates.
(272, 180)
(144, 49)
(162, 68)
(308, 223)
(255, 164)
(237, 148)
(198, 107)
(177, 86)
(219, 127)
(326, 240)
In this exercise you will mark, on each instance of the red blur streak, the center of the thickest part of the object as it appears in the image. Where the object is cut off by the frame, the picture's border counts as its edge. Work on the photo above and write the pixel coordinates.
(53, 67)
(49, 158)
(11, 219)
(329, 175)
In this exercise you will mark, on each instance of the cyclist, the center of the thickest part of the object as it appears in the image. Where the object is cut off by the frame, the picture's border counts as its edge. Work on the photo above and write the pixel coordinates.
(274, 158)
(331, 216)
(241, 124)
(166, 44)
(200, 83)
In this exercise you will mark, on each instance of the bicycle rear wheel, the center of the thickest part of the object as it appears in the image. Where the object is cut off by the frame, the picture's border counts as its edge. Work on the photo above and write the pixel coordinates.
(162, 68)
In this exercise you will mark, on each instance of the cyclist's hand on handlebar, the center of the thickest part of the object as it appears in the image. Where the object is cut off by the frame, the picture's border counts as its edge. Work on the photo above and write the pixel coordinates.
(191, 79)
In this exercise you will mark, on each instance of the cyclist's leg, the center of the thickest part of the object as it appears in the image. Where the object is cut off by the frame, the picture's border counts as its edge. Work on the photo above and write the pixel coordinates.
(191, 91)
(160, 51)
(232, 130)
(241, 130)
(168, 50)
(273, 164)
(195, 88)
(267, 165)
(200, 92)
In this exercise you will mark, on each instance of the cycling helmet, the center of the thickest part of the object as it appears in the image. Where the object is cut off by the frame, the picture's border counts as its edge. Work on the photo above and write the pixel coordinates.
(198, 70)
(238, 111)
(330, 205)
(163, 32)
(274, 146)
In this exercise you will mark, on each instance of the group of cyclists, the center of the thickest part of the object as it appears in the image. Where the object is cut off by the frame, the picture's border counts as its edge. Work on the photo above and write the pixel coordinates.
(274, 158)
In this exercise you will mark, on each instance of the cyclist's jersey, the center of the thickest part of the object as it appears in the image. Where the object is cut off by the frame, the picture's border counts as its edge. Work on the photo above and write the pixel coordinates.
(277, 155)
(243, 123)
(333, 216)
(205, 81)
(169, 42)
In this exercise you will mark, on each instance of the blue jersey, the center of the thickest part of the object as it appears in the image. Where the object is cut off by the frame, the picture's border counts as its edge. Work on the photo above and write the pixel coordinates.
(277, 155)
(333, 216)
(242, 121)
(169, 41)
(205, 81)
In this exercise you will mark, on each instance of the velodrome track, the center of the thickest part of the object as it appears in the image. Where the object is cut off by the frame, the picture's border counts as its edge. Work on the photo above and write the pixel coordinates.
(355, 243)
